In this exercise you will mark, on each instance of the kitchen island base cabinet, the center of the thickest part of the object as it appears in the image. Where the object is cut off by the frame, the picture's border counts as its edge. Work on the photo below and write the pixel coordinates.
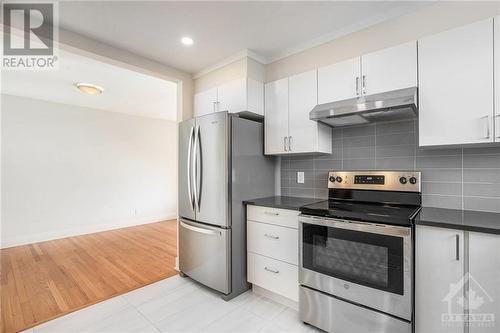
(457, 277)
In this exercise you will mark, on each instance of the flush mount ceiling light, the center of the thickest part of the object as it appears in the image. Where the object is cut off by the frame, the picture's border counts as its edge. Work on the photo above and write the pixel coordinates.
(90, 89)
(187, 40)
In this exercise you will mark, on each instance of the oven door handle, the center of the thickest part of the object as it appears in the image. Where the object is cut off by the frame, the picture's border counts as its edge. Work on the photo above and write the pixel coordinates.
(377, 228)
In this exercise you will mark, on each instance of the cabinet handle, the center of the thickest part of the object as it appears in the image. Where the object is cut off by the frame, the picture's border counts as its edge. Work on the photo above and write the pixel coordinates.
(486, 127)
(357, 85)
(272, 236)
(457, 247)
(271, 213)
(363, 85)
(275, 271)
(214, 106)
(284, 143)
(290, 143)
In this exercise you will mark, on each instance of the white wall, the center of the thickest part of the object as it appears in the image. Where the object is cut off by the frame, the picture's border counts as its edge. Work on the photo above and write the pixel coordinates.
(70, 170)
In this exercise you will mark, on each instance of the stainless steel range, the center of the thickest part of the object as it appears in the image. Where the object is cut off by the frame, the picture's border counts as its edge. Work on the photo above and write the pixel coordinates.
(356, 253)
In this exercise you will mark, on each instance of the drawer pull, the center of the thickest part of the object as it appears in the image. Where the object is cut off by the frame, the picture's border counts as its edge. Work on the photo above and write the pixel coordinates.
(271, 270)
(272, 236)
(271, 213)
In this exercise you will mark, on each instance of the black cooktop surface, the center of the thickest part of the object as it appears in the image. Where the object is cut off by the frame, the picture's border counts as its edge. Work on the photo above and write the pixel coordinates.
(362, 211)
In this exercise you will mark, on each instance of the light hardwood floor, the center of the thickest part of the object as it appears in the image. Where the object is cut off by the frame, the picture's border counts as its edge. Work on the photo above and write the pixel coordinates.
(45, 280)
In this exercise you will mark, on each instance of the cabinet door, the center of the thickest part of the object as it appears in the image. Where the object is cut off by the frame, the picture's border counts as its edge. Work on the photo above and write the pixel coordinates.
(339, 81)
(389, 69)
(232, 96)
(205, 102)
(456, 86)
(497, 79)
(303, 98)
(439, 263)
(484, 284)
(276, 116)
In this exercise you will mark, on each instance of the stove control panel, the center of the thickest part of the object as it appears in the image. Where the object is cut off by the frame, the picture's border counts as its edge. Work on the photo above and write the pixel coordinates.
(405, 181)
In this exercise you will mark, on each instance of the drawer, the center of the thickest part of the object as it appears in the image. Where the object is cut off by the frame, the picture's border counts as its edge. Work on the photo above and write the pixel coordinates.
(273, 241)
(283, 217)
(274, 275)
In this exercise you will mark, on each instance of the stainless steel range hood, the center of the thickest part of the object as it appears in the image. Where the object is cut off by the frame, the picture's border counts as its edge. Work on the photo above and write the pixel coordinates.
(393, 105)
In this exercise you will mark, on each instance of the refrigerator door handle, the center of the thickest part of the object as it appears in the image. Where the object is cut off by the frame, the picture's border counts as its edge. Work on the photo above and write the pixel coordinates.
(199, 230)
(195, 168)
(189, 169)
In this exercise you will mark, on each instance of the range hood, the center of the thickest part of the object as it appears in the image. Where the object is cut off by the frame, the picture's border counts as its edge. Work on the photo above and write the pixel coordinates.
(393, 105)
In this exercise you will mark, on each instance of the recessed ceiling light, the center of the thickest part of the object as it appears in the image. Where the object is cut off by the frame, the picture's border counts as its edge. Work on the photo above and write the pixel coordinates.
(90, 89)
(187, 41)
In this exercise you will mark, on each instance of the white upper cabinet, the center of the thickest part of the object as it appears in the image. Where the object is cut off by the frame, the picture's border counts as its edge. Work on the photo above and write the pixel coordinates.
(303, 132)
(497, 78)
(232, 96)
(276, 116)
(339, 81)
(456, 86)
(385, 70)
(389, 69)
(235, 96)
(205, 102)
(288, 127)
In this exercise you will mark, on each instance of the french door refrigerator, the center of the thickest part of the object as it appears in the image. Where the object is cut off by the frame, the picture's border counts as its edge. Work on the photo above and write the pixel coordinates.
(221, 164)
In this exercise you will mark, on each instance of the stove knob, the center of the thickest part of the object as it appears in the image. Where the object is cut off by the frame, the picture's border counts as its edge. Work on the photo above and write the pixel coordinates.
(339, 179)
(413, 180)
(403, 180)
(332, 179)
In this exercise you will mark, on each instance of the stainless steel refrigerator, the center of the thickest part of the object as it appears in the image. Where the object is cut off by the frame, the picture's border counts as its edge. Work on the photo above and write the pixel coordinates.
(221, 164)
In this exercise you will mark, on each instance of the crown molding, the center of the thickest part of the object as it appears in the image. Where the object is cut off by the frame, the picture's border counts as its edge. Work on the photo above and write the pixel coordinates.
(235, 57)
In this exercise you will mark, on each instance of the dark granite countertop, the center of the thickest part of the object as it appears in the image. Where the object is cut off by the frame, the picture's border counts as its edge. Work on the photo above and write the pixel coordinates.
(292, 203)
(459, 219)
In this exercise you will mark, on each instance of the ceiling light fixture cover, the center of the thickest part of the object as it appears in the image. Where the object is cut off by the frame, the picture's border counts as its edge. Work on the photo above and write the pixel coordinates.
(90, 89)
(187, 41)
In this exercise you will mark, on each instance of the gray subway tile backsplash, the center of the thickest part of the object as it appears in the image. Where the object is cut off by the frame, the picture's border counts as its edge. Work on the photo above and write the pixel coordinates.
(456, 178)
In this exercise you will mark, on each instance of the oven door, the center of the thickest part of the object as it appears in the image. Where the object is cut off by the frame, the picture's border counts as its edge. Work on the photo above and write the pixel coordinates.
(364, 263)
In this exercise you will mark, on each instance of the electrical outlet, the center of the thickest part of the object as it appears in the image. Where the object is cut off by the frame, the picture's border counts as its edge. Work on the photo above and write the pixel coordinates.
(300, 177)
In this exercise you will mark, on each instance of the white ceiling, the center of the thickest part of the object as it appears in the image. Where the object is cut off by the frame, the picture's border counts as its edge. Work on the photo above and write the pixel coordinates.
(221, 29)
(125, 91)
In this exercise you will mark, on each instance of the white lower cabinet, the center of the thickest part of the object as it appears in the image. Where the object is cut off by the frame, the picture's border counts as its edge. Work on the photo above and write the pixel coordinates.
(273, 241)
(484, 268)
(457, 276)
(272, 245)
(439, 263)
(274, 275)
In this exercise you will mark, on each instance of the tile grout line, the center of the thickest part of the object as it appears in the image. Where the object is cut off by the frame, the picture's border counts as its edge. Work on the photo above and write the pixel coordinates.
(375, 145)
(140, 313)
(463, 199)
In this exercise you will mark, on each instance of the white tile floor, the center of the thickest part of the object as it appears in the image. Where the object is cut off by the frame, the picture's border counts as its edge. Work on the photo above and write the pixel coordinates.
(178, 305)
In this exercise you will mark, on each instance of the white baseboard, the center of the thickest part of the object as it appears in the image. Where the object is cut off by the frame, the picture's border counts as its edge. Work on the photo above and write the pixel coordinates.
(78, 231)
(275, 297)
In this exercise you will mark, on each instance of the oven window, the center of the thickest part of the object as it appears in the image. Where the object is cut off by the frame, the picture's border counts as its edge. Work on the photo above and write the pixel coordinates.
(372, 260)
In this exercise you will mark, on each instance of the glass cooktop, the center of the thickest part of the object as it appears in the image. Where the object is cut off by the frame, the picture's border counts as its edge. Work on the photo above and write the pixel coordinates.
(362, 211)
